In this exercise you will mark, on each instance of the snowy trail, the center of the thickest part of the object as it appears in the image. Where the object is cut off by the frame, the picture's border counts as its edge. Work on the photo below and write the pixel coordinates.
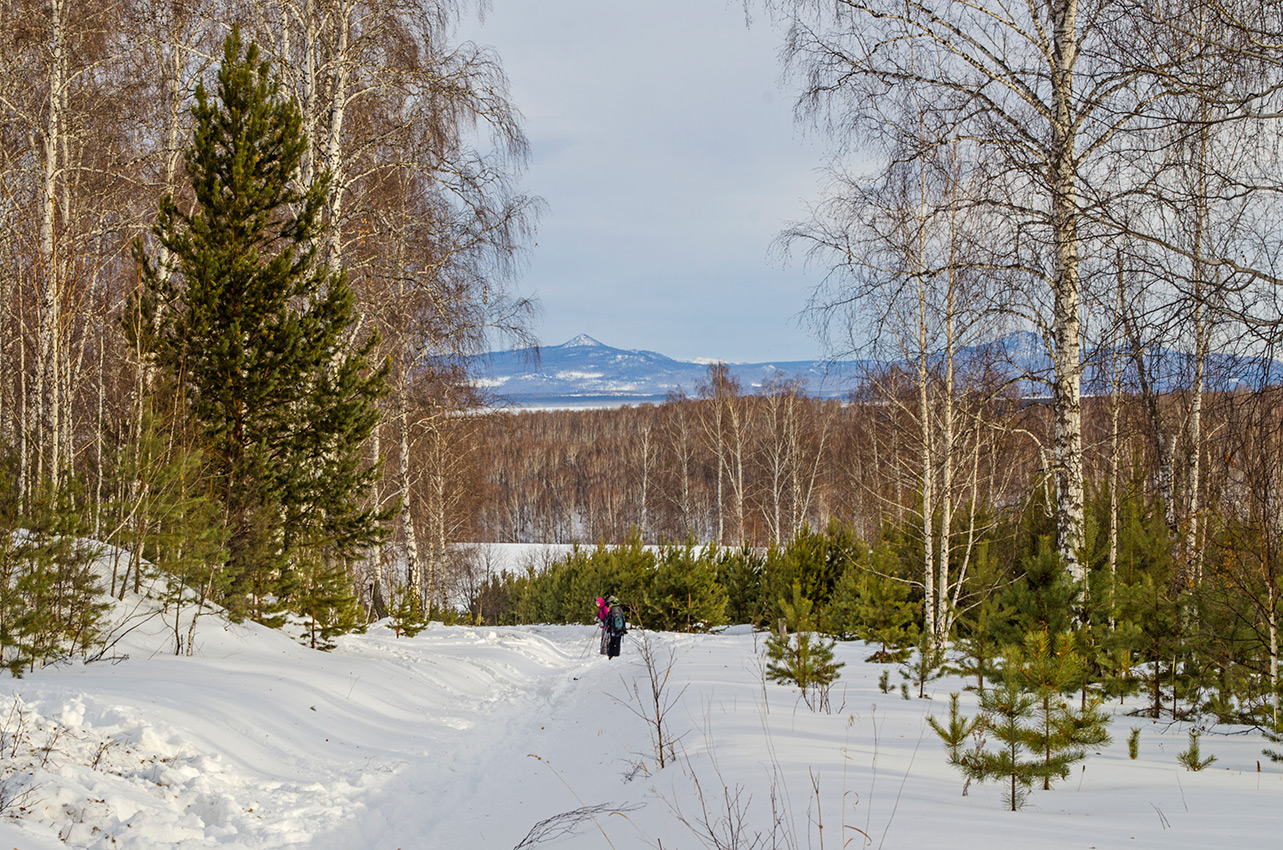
(488, 782)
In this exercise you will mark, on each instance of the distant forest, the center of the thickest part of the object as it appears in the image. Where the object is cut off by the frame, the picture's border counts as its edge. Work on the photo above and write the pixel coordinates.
(752, 469)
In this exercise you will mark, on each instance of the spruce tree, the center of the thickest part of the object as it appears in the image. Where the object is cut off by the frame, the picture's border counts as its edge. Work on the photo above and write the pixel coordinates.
(253, 331)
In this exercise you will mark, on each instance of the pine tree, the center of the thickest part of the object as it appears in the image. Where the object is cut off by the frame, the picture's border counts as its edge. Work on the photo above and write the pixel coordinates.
(956, 733)
(1042, 598)
(980, 650)
(1039, 732)
(322, 595)
(1192, 758)
(684, 594)
(1007, 710)
(927, 664)
(1048, 668)
(166, 517)
(741, 574)
(51, 602)
(803, 658)
(875, 608)
(254, 332)
(406, 615)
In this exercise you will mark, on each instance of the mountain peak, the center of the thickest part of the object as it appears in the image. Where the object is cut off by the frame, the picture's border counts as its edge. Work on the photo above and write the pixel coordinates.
(582, 341)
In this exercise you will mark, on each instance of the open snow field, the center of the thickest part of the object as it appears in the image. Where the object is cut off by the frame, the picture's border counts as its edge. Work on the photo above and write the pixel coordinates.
(467, 738)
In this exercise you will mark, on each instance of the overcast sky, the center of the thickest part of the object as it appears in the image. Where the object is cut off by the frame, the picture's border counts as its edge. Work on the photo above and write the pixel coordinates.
(663, 143)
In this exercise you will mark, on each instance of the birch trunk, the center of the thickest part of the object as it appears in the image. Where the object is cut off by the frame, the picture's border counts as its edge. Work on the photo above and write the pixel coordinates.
(1272, 619)
(378, 600)
(946, 481)
(646, 432)
(738, 427)
(340, 71)
(926, 422)
(1115, 404)
(944, 616)
(49, 321)
(797, 500)
(440, 534)
(1066, 322)
(928, 503)
(1194, 558)
(1196, 451)
(413, 566)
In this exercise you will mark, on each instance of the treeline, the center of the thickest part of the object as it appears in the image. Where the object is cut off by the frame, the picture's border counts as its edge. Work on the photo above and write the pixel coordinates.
(751, 468)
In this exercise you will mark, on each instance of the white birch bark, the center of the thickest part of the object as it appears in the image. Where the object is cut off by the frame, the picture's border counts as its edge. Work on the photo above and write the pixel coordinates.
(1202, 287)
(1066, 284)
(50, 297)
(410, 540)
(1115, 408)
(949, 438)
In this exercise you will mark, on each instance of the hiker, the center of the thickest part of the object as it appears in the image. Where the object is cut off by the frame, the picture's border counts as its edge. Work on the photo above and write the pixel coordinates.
(603, 613)
(614, 627)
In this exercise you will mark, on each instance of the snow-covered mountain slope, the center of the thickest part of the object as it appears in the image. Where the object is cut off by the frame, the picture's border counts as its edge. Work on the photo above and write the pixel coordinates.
(491, 737)
(586, 373)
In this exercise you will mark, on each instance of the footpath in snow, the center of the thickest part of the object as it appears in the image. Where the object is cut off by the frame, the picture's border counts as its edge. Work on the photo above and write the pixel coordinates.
(463, 737)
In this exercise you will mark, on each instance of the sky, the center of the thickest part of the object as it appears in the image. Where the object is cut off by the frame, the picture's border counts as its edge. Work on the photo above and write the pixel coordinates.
(663, 143)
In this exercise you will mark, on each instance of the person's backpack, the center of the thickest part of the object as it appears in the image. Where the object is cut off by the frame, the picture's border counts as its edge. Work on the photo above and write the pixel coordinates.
(616, 620)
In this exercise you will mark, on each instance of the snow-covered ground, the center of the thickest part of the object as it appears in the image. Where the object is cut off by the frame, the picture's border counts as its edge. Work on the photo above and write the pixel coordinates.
(469, 738)
(516, 558)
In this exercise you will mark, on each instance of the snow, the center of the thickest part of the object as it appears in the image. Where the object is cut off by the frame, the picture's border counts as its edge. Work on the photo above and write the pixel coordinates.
(468, 737)
(516, 558)
(581, 341)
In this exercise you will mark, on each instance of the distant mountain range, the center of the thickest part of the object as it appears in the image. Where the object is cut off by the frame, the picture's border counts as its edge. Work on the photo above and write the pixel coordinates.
(586, 373)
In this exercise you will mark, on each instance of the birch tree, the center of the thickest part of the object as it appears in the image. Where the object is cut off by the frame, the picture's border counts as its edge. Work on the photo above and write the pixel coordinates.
(1042, 87)
(724, 420)
(1200, 217)
(63, 153)
(907, 284)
